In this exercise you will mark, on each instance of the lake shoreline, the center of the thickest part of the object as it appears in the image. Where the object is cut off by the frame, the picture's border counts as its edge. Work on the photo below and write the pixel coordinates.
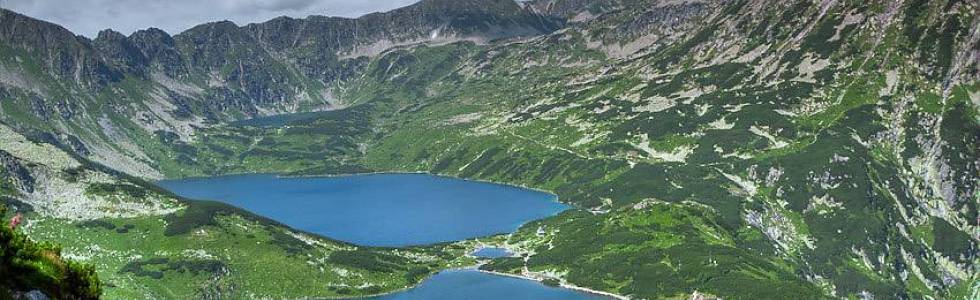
(426, 173)
(563, 285)
(495, 273)
(515, 187)
(549, 207)
(287, 176)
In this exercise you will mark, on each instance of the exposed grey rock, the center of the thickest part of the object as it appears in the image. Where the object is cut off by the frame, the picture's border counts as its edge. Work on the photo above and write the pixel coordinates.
(14, 171)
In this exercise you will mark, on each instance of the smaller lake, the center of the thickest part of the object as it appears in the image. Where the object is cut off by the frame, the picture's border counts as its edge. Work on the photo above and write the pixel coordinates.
(390, 210)
(278, 120)
(491, 252)
(476, 285)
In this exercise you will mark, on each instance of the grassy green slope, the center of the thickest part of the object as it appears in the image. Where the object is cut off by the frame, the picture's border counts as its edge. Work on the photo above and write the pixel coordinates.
(26, 266)
(146, 243)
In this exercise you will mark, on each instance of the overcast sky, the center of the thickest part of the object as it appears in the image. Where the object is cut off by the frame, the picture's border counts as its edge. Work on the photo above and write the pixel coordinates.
(88, 17)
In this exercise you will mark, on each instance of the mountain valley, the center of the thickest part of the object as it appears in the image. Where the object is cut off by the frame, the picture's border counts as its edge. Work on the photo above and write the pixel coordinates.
(743, 149)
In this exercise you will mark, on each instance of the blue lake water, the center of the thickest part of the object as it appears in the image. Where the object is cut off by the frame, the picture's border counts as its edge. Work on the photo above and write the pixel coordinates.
(379, 210)
(476, 285)
(491, 252)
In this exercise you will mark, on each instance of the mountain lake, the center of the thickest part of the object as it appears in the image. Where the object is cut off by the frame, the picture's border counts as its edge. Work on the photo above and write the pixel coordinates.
(397, 210)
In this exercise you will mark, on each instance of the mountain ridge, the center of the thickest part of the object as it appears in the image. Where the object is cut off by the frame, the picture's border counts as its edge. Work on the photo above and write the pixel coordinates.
(237, 70)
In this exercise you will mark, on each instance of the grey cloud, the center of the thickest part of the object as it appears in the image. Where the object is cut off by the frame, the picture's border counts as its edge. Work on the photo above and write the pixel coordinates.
(88, 17)
(273, 5)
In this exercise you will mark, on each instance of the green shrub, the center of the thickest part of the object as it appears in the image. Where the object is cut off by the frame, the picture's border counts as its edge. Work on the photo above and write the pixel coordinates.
(26, 265)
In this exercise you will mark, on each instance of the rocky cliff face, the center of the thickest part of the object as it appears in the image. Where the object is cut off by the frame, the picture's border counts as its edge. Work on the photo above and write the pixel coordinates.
(67, 56)
(623, 28)
(159, 50)
(426, 21)
(218, 71)
(15, 173)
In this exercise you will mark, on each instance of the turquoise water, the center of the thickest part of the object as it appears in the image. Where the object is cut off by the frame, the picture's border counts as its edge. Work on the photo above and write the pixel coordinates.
(491, 252)
(476, 285)
(379, 210)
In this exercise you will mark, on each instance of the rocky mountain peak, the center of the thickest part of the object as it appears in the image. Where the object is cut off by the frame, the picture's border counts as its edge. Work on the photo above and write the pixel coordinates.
(68, 55)
(118, 51)
(160, 50)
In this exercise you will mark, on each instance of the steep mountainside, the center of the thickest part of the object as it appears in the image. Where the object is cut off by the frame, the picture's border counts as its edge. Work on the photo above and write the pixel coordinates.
(741, 149)
(623, 28)
(115, 92)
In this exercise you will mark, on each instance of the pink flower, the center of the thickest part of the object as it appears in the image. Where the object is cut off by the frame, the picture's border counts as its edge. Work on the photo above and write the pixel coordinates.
(15, 221)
